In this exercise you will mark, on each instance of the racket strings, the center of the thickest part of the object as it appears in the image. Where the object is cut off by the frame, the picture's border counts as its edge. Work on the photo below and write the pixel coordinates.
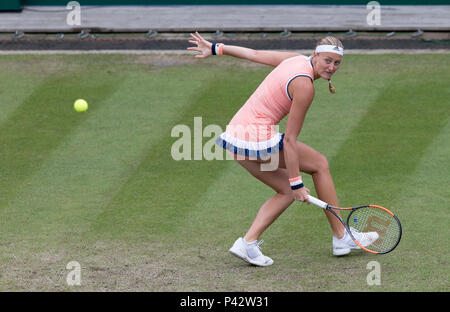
(368, 220)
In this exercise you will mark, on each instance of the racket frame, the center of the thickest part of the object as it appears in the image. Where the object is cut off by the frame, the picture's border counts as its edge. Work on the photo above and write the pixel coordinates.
(330, 208)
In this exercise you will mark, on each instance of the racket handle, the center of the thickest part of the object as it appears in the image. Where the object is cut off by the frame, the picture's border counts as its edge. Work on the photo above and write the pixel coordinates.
(317, 202)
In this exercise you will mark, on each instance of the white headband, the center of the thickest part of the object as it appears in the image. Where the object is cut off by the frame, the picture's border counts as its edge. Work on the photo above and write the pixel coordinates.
(330, 48)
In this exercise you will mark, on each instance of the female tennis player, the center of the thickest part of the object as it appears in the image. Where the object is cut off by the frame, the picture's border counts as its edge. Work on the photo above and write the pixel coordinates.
(253, 139)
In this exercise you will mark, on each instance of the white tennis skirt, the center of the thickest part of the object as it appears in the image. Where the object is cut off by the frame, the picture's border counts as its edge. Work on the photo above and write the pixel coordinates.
(261, 149)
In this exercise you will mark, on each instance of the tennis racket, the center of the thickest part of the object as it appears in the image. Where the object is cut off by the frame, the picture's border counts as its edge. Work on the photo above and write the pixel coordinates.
(373, 228)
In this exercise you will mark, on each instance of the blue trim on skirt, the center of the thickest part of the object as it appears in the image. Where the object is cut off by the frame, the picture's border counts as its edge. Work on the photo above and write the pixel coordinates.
(248, 152)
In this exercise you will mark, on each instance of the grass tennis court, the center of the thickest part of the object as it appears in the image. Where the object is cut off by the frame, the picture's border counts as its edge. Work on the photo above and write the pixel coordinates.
(101, 187)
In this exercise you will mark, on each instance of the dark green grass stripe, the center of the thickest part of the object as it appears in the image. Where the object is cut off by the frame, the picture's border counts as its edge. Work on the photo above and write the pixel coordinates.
(391, 139)
(42, 122)
(162, 191)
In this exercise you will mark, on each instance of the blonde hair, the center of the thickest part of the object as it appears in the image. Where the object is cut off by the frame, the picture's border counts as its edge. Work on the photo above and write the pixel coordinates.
(330, 40)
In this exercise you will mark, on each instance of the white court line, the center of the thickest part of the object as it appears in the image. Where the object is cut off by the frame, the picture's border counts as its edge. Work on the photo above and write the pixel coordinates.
(179, 52)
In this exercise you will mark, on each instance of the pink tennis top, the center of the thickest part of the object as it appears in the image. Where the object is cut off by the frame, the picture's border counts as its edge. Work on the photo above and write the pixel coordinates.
(258, 118)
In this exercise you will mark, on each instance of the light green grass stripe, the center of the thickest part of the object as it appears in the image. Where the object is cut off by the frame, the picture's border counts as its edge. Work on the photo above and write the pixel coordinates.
(18, 82)
(18, 89)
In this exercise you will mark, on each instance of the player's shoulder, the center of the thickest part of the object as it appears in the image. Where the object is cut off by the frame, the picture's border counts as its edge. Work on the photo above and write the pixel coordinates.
(299, 58)
(300, 64)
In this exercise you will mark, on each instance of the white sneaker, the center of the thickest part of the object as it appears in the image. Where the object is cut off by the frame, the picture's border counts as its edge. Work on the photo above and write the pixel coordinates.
(344, 245)
(250, 252)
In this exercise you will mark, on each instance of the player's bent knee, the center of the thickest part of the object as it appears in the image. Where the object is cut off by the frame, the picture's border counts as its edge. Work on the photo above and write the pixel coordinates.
(322, 163)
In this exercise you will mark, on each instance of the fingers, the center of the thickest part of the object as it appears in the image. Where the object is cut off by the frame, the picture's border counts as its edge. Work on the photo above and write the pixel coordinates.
(197, 36)
(202, 45)
(191, 48)
(306, 196)
(201, 38)
(201, 56)
(303, 200)
(302, 195)
(306, 200)
(196, 41)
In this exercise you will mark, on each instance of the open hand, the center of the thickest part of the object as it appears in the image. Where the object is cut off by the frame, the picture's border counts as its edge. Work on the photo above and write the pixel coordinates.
(203, 46)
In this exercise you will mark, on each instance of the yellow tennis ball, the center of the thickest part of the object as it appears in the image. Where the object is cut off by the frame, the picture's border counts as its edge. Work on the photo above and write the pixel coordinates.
(80, 105)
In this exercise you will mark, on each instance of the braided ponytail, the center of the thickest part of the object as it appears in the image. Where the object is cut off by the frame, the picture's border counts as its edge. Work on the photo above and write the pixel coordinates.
(331, 87)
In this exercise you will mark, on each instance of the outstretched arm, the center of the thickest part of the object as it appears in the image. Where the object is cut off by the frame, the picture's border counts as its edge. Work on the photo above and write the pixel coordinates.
(272, 58)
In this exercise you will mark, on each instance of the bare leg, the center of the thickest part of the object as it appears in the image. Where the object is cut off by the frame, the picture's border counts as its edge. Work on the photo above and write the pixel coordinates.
(316, 164)
(275, 205)
(323, 183)
(267, 214)
(311, 162)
